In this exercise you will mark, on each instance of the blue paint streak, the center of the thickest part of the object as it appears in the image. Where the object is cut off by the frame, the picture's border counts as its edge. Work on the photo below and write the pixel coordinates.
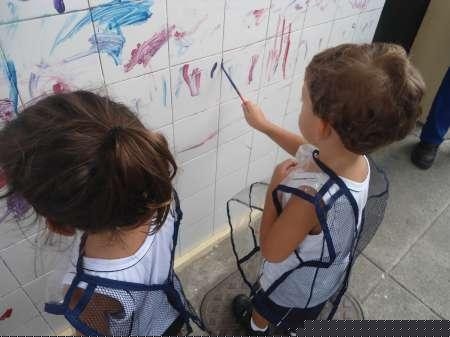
(213, 70)
(164, 92)
(108, 21)
(9, 70)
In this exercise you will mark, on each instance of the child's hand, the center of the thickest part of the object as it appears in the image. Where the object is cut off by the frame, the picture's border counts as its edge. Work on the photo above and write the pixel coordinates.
(281, 172)
(254, 116)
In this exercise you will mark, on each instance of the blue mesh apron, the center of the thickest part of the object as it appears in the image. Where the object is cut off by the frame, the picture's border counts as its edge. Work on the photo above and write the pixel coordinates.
(146, 309)
(343, 239)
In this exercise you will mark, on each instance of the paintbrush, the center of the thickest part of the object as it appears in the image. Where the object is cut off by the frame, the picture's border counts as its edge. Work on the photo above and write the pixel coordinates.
(231, 82)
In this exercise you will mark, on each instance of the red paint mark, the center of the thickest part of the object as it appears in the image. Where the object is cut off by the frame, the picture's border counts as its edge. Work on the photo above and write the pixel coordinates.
(6, 110)
(286, 51)
(192, 80)
(203, 142)
(252, 67)
(144, 51)
(60, 87)
(258, 14)
(7, 314)
(2, 179)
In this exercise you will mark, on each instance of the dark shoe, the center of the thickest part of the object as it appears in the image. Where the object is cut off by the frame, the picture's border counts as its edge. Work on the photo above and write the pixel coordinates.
(424, 154)
(242, 311)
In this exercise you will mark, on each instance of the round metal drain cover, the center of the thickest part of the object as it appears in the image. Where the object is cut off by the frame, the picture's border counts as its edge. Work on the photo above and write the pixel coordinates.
(217, 316)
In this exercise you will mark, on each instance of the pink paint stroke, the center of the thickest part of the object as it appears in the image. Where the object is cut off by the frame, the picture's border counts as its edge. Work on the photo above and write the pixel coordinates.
(192, 80)
(286, 50)
(279, 43)
(203, 142)
(144, 51)
(259, 15)
(254, 59)
(359, 4)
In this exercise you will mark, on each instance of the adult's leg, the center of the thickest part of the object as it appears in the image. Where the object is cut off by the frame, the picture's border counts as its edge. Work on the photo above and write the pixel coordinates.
(434, 130)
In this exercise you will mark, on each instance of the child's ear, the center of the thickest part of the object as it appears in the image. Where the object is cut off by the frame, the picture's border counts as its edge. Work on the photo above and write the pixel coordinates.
(325, 129)
(61, 230)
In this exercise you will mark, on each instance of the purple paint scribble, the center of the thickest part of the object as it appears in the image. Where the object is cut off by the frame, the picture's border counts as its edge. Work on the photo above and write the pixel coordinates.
(16, 206)
(253, 61)
(59, 6)
(144, 51)
(213, 69)
(359, 4)
(192, 80)
(259, 15)
(203, 142)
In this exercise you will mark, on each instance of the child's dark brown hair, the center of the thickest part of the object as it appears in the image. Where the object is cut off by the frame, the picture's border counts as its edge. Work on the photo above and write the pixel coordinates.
(370, 93)
(86, 162)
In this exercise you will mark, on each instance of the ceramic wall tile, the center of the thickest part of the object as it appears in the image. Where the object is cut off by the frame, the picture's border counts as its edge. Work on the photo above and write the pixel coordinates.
(343, 31)
(313, 40)
(197, 174)
(197, 28)
(232, 122)
(15, 10)
(133, 46)
(196, 134)
(148, 96)
(287, 12)
(63, 57)
(234, 155)
(320, 11)
(195, 86)
(244, 66)
(366, 26)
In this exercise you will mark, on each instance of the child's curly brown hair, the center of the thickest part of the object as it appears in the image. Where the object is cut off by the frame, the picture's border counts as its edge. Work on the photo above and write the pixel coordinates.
(369, 93)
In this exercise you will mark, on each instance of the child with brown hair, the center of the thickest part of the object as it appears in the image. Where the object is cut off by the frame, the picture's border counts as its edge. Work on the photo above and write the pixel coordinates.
(356, 99)
(87, 164)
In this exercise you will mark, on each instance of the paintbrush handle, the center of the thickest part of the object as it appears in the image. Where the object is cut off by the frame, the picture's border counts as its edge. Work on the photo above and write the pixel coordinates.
(232, 83)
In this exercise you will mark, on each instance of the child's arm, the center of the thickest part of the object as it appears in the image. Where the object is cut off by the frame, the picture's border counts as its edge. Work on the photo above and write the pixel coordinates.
(289, 141)
(281, 235)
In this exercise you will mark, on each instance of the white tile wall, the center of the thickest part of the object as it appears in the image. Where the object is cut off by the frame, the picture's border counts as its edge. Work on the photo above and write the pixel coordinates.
(245, 22)
(166, 67)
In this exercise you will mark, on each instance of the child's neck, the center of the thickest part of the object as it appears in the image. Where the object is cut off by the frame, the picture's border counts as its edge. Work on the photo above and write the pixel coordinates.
(122, 243)
(343, 162)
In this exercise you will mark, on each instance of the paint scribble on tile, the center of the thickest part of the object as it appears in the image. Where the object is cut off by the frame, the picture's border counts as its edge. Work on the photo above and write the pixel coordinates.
(109, 21)
(259, 15)
(16, 206)
(279, 51)
(164, 92)
(59, 6)
(203, 142)
(213, 69)
(183, 39)
(192, 80)
(144, 51)
(253, 61)
(359, 4)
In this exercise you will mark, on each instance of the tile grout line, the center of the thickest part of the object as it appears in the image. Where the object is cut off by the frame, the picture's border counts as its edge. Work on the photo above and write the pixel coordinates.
(416, 297)
(172, 123)
(219, 112)
(420, 236)
(102, 71)
(388, 271)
